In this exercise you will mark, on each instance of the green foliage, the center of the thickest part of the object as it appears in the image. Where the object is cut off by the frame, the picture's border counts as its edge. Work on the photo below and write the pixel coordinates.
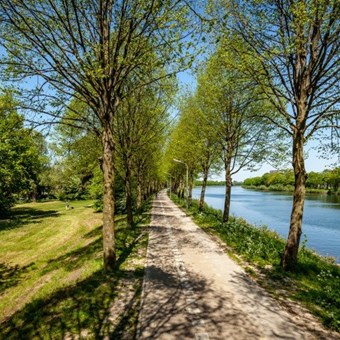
(328, 180)
(140, 129)
(96, 189)
(22, 156)
(223, 124)
(187, 140)
(210, 183)
(315, 283)
(77, 154)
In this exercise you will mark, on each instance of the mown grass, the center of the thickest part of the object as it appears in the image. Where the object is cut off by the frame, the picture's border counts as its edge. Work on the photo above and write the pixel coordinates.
(52, 284)
(315, 283)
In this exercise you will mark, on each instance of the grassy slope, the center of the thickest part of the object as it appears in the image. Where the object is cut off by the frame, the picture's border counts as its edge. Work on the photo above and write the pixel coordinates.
(316, 282)
(51, 278)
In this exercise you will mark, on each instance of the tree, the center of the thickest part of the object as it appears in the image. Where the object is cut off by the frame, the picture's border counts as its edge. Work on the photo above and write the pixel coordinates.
(314, 180)
(184, 145)
(76, 154)
(39, 162)
(200, 138)
(295, 47)
(140, 123)
(332, 178)
(233, 110)
(87, 50)
(21, 155)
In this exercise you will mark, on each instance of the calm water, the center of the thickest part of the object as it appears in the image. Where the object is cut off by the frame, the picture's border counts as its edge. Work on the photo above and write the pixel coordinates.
(321, 221)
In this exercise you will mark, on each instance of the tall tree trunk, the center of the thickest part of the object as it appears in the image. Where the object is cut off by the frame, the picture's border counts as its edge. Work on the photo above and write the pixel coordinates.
(109, 251)
(175, 187)
(128, 196)
(228, 183)
(190, 187)
(182, 189)
(139, 192)
(292, 246)
(204, 186)
(34, 192)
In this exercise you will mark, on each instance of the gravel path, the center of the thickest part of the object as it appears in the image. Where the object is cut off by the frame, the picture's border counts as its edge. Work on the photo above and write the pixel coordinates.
(193, 290)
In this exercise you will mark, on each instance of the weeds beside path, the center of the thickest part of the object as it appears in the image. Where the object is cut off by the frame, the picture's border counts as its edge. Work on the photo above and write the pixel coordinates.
(315, 284)
(51, 280)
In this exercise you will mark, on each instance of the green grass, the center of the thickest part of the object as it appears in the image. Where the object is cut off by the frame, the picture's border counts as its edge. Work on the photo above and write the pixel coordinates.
(315, 283)
(51, 280)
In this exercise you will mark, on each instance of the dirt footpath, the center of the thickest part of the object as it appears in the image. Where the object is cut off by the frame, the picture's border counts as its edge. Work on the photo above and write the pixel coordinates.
(193, 290)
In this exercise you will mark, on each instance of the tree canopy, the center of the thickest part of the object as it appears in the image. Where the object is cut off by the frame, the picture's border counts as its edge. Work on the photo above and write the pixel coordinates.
(22, 156)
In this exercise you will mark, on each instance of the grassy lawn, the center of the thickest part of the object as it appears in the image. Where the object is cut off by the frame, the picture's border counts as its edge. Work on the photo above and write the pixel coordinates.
(51, 280)
(315, 283)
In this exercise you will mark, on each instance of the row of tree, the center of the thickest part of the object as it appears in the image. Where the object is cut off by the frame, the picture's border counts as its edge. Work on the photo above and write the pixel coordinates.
(95, 63)
(105, 68)
(327, 180)
(71, 168)
(272, 78)
(221, 125)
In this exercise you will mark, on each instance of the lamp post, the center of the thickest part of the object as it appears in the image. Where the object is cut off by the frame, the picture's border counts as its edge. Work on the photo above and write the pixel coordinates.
(187, 179)
(170, 183)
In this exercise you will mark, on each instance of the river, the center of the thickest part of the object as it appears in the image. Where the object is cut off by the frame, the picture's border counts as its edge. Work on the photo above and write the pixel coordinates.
(321, 221)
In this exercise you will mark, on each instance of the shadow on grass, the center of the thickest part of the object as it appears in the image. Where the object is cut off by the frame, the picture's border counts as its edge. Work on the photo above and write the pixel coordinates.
(98, 230)
(315, 283)
(75, 258)
(20, 216)
(86, 308)
(81, 310)
(126, 241)
(11, 275)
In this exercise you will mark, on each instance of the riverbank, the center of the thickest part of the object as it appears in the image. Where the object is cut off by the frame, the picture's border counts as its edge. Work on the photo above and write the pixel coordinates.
(321, 226)
(288, 189)
(315, 282)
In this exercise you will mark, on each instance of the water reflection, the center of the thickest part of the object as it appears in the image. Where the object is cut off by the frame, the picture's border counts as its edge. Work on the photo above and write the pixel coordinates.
(321, 222)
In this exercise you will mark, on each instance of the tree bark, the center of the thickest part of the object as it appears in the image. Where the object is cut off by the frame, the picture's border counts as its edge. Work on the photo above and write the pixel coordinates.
(139, 192)
(292, 246)
(228, 183)
(128, 196)
(34, 192)
(182, 190)
(109, 252)
(190, 187)
(204, 186)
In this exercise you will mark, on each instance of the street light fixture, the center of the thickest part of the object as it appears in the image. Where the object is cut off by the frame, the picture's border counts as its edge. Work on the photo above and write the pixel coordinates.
(187, 179)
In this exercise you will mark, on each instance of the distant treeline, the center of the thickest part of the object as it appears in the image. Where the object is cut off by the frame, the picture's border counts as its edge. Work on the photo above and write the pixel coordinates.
(326, 181)
(211, 183)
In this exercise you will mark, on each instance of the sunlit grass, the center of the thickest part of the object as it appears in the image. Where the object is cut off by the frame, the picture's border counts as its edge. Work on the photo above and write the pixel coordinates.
(51, 277)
